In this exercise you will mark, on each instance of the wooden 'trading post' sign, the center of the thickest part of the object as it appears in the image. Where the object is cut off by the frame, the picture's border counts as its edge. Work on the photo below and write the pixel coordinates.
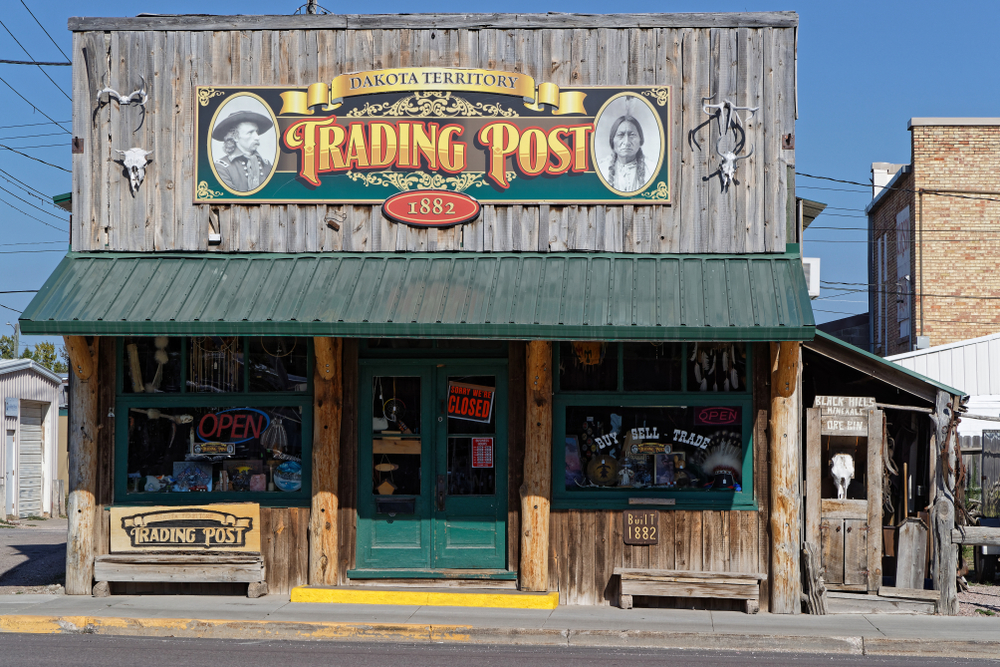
(233, 527)
(844, 415)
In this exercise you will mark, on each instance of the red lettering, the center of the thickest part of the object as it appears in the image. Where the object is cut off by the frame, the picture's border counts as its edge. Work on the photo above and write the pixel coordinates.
(238, 422)
(225, 421)
(452, 400)
(257, 426)
(464, 409)
(201, 426)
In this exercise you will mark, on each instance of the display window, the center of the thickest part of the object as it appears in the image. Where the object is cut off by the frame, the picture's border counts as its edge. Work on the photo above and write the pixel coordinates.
(210, 419)
(669, 422)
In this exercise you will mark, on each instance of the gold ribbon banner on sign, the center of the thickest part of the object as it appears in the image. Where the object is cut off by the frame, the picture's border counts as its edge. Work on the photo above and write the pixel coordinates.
(327, 98)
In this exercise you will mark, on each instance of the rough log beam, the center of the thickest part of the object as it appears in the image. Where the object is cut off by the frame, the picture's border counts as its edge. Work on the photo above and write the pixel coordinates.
(536, 489)
(328, 401)
(978, 535)
(83, 421)
(786, 588)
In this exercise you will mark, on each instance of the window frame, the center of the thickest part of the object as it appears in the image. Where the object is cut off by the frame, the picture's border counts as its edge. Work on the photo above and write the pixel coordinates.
(615, 498)
(189, 399)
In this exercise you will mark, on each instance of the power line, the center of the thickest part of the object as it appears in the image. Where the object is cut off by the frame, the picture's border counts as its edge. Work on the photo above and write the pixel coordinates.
(32, 136)
(937, 193)
(57, 217)
(8, 127)
(30, 191)
(43, 146)
(35, 62)
(4, 81)
(22, 252)
(46, 32)
(4, 201)
(31, 243)
(31, 157)
(20, 291)
(11, 309)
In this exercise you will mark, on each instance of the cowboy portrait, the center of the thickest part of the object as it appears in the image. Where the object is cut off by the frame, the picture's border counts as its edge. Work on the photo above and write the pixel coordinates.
(245, 159)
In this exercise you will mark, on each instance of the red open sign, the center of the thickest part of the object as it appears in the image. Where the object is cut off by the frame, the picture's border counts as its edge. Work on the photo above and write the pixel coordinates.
(470, 402)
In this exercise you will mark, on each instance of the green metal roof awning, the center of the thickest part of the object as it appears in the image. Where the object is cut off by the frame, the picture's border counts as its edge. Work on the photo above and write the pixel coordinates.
(564, 296)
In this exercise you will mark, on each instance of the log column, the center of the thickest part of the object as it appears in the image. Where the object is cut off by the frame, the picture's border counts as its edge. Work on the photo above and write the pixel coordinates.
(83, 421)
(786, 500)
(536, 491)
(328, 396)
(944, 558)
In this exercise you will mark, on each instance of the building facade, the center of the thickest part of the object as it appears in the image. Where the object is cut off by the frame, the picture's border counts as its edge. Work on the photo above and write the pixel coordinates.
(444, 297)
(31, 395)
(932, 254)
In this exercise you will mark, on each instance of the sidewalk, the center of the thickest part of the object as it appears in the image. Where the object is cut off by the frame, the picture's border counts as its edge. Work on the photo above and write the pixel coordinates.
(274, 617)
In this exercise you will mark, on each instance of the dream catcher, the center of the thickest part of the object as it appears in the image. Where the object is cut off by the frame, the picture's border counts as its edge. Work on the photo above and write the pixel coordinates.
(277, 350)
(214, 364)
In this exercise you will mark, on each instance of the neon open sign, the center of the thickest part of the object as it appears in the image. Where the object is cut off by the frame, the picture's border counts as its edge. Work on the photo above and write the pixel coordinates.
(234, 425)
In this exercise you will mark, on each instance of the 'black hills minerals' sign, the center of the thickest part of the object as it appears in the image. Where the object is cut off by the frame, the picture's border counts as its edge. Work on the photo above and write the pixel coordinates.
(495, 136)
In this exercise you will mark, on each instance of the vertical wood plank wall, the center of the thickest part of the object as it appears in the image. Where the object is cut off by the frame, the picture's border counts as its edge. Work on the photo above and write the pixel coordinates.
(751, 66)
(586, 545)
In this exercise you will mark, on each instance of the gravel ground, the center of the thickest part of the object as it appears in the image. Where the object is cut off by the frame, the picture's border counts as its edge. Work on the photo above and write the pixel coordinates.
(33, 556)
(980, 600)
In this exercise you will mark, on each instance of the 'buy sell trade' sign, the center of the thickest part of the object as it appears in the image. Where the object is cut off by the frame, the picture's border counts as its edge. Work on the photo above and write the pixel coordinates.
(470, 402)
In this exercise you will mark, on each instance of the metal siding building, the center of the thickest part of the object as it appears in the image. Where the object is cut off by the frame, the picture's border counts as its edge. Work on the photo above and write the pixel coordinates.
(28, 461)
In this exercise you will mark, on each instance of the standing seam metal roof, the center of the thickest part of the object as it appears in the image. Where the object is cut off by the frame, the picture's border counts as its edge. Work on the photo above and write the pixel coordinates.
(555, 296)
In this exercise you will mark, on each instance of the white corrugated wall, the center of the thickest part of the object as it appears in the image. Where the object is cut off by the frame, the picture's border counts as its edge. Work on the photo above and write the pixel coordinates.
(30, 385)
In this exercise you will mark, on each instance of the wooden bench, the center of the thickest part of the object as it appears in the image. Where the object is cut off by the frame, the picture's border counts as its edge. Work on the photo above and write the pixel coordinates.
(683, 583)
(241, 567)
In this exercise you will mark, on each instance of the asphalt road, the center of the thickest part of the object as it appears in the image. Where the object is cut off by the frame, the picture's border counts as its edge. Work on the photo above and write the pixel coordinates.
(32, 556)
(87, 651)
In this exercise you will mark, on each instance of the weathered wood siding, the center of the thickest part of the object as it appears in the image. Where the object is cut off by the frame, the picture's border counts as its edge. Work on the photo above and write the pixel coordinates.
(750, 62)
(586, 545)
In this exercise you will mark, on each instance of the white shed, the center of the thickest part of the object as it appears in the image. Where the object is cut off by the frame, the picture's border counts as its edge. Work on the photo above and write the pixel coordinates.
(28, 458)
(970, 365)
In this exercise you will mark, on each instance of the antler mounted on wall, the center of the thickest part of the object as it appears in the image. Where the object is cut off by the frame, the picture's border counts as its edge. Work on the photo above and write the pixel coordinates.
(728, 116)
(138, 97)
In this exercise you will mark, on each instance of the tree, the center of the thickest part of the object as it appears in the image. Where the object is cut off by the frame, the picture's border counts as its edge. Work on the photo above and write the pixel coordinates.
(7, 347)
(43, 353)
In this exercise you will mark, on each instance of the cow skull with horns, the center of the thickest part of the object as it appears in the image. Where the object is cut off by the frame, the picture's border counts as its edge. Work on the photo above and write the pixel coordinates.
(731, 114)
(135, 160)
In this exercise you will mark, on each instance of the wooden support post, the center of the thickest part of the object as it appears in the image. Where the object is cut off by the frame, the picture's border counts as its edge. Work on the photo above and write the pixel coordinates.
(786, 501)
(944, 561)
(82, 436)
(536, 490)
(874, 479)
(328, 392)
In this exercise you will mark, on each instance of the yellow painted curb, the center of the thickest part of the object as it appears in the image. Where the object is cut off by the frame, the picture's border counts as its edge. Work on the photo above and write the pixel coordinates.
(426, 598)
(231, 629)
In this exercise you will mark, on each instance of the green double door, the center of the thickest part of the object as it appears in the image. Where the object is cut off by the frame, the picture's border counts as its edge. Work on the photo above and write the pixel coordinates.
(432, 489)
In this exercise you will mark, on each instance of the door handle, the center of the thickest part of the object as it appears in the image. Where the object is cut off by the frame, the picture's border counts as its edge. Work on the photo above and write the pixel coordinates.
(441, 490)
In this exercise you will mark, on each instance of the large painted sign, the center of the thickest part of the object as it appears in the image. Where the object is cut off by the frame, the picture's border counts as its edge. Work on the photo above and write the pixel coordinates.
(494, 136)
(234, 527)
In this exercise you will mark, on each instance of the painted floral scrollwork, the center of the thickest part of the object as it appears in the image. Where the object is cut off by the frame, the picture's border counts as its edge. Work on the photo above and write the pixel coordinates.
(422, 180)
(661, 192)
(205, 192)
(660, 94)
(432, 103)
(204, 94)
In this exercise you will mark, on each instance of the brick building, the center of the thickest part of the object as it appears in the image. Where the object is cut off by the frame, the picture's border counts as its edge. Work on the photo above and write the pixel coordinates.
(934, 247)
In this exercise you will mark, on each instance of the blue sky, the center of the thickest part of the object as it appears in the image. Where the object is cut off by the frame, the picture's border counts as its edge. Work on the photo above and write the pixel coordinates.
(865, 69)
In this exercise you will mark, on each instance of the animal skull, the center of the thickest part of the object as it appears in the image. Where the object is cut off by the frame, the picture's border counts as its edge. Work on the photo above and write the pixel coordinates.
(729, 160)
(135, 160)
(842, 471)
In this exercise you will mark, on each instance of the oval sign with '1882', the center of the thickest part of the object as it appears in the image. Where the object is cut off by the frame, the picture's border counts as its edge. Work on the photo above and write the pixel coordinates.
(431, 208)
